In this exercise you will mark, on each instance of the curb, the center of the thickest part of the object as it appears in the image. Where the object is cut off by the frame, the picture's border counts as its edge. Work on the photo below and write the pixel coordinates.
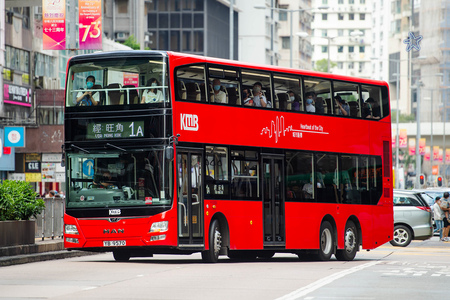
(36, 257)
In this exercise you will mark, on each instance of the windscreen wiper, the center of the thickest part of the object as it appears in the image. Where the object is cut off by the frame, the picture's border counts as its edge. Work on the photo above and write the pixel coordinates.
(114, 146)
(81, 149)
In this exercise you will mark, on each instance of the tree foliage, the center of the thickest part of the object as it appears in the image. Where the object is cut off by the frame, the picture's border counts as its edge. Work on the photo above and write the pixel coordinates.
(133, 43)
(18, 201)
(322, 65)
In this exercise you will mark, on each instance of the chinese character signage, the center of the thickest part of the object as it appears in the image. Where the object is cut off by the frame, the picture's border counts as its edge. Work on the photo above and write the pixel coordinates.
(90, 27)
(54, 24)
(18, 95)
(115, 130)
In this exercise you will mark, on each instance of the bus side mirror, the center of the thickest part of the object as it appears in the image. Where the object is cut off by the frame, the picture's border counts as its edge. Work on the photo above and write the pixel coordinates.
(169, 152)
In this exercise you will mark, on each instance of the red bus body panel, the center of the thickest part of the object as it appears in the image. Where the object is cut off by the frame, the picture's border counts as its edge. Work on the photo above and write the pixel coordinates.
(253, 127)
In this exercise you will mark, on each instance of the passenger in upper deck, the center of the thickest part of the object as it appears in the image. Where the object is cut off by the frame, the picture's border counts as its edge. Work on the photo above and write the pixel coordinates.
(259, 99)
(88, 98)
(310, 102)
(219, 95)
(371, 109)
(248, 101)
(154, 94)
(343, 107)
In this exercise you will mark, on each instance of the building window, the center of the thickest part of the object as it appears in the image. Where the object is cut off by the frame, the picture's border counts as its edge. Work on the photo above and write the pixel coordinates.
(324, 17)
(361, 67)
(341, 2)
(340, 32)
(362, 1)
(340, 16)
(340, 65)
(351, 16)
(351, 49)
(324, 32)
(324, 49)
(350, 65)
(324, 2)
(362, 49)
(282, 15)
(340, 49)
(362, 16)
(351, 1)
(285, 42)
(122, 6)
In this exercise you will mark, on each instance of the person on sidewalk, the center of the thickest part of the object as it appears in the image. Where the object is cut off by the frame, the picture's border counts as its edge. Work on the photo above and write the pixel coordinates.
(438, 217)
(445, 207)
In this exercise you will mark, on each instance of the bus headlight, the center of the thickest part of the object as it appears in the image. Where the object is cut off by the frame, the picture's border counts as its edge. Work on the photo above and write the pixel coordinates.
(72, 240)
(71, 229)
(159, 226)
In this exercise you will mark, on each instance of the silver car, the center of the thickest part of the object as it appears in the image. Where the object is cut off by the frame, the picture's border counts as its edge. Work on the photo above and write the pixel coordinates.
(412, 218)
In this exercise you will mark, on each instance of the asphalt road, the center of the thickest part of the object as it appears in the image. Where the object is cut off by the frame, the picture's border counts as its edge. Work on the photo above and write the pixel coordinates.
(420, 271)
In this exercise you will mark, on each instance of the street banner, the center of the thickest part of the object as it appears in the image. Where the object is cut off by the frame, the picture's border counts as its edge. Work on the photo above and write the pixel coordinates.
(435, 153)
(435, 170)
(447, 155)
(422, 144)
(441, 155)
(54, 24)
(403, 138)
(412, 146)
(427, 153)
(90, 24)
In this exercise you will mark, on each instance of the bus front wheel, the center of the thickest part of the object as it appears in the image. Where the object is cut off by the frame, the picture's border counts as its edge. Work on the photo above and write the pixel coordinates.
(120, 255)
(351, 243)
(215, 243)
(326, 241)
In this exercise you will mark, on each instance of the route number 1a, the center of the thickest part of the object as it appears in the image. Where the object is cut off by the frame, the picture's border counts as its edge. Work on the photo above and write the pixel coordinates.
(139, 131)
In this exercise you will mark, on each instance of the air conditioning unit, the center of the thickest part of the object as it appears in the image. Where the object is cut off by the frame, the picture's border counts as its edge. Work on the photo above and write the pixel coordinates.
(47, 83)
(56, 84)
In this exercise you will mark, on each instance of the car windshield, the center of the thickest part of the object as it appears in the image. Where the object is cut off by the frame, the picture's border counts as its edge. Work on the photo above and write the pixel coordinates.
(116, 179)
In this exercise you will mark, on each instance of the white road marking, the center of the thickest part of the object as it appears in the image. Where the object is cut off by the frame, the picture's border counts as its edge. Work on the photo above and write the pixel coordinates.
(324, 281)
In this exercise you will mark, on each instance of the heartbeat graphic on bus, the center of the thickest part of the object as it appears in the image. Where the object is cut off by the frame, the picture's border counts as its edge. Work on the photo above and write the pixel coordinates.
(277, 128)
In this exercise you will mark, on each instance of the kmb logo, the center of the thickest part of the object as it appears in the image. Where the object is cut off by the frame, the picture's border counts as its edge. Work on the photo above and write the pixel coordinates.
(189, 122)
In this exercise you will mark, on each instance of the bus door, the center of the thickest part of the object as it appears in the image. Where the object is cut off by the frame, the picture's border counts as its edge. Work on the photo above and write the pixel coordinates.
(190, 199)
(273, 201)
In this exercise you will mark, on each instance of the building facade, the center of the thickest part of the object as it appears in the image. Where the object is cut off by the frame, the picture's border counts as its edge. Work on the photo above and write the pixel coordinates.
(343, 32)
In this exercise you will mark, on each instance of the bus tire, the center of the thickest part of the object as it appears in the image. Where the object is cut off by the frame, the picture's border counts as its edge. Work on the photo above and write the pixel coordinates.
(351, 243)
(402, 236)
(122, 256)
(326, 241)
(215, 243)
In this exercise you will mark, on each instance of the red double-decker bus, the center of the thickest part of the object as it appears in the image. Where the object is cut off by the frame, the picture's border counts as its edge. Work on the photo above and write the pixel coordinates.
(174, 153)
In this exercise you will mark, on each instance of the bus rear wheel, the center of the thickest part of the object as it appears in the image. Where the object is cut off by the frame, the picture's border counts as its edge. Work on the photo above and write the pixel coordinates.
(326, 241)
(120, 255)
(351, 243)
(215, 243)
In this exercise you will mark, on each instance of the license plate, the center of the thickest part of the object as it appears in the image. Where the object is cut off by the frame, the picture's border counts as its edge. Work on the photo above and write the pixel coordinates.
(113, 243)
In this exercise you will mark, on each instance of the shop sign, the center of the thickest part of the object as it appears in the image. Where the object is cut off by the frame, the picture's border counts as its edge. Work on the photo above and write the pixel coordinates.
(16, 94)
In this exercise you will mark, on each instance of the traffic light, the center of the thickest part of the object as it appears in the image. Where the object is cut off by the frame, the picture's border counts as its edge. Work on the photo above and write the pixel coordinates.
(421, 179)
(439, 181)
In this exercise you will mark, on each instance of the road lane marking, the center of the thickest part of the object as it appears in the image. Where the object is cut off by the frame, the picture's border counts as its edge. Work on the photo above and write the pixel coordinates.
(324, 281)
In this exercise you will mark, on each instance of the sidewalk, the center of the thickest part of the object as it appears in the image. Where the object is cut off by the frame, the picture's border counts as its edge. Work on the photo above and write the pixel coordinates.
(42, 250)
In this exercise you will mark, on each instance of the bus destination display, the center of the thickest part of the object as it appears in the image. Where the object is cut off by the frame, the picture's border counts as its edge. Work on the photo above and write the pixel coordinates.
(115, 130)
